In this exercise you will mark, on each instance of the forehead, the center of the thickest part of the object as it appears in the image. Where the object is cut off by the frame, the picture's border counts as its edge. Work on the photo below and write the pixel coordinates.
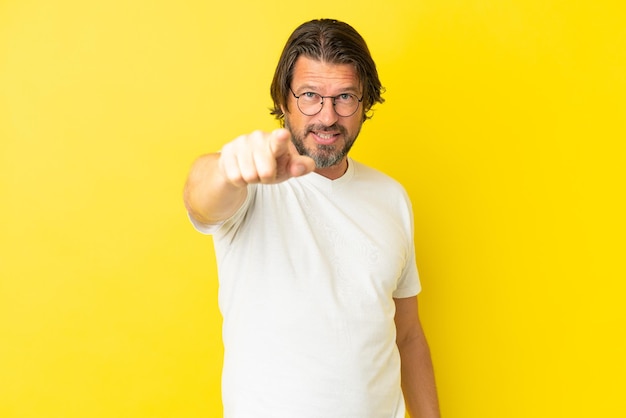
(310, 72)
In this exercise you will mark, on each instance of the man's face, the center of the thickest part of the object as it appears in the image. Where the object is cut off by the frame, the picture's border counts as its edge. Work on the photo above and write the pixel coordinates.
(326, 137)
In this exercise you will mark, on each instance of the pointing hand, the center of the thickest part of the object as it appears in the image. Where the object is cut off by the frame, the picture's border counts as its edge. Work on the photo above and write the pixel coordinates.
(262, 157)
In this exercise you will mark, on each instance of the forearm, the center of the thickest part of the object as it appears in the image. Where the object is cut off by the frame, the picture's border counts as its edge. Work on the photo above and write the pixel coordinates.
(418, 379)
(208, 195)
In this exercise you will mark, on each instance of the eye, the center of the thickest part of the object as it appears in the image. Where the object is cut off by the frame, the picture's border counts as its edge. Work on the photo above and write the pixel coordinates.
(345, 97)
(309, 94)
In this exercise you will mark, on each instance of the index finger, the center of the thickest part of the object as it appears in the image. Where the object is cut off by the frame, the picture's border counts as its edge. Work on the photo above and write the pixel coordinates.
(279, 142)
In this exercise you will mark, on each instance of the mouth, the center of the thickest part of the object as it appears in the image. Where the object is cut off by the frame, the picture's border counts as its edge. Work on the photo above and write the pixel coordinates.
(325, 137)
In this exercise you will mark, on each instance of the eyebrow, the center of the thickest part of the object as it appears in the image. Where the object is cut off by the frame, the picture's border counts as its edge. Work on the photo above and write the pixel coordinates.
(314, 89)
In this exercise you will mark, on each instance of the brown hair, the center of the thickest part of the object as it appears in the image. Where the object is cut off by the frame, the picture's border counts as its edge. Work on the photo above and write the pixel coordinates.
(330, 41)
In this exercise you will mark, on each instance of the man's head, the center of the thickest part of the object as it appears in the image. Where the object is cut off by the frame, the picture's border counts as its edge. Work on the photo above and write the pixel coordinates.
(329, 41)
(324, 85)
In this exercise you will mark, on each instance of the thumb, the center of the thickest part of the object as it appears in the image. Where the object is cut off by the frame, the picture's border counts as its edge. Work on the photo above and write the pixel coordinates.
(299, 165)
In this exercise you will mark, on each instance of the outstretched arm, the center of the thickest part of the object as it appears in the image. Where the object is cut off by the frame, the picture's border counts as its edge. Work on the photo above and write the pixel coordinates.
(216, 185)
(418, 379)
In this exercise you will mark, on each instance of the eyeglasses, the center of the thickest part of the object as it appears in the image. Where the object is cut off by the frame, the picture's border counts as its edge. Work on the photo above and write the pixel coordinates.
(310, 103)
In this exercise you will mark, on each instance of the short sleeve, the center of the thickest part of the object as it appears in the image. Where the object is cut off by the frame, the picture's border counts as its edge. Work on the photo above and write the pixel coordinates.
(233, 221)
(409, 282)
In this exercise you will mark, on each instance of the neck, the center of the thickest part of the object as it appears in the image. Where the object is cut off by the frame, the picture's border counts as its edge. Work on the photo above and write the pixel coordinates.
(335, 171)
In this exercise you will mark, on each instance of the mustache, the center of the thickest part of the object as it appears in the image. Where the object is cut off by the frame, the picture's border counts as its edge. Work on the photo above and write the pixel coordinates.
(323, 128)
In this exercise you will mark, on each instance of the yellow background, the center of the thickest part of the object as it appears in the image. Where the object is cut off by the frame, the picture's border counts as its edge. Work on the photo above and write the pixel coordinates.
(506, 121)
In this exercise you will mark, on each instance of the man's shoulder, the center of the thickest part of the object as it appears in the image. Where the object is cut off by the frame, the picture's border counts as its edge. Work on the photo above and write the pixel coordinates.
(364, 172)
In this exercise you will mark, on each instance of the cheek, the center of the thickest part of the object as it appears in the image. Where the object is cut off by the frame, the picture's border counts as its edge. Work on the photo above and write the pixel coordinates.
(354, 125)
(293, 125)
(297, 121)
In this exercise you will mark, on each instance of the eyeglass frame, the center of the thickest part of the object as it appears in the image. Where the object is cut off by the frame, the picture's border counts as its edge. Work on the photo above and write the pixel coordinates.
(333, 98)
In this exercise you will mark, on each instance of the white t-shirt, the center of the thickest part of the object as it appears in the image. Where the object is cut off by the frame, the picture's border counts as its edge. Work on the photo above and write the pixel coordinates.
(308, 270)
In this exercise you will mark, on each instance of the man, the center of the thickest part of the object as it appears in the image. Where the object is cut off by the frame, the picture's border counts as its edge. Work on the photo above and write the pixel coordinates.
(315, 251)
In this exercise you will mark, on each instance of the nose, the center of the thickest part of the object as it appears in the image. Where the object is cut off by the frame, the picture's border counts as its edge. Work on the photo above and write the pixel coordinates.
(327, 115)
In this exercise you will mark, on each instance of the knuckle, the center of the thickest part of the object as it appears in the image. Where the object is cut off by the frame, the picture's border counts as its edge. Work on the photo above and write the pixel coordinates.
(266, 174)
(256, 136)
(249, 175)
(233, 175)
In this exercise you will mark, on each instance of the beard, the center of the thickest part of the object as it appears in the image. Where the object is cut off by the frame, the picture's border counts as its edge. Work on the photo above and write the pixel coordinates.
(324, 155)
